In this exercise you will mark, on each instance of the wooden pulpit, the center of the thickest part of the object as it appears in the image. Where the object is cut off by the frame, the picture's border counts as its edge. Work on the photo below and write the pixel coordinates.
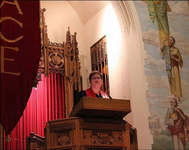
(94, 124)
(101, 108)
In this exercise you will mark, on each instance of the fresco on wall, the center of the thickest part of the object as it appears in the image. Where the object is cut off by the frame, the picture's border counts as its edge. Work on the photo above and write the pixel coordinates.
(167, 70)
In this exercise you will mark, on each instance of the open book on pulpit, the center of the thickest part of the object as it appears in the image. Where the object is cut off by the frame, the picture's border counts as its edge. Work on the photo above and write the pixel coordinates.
(101, 108)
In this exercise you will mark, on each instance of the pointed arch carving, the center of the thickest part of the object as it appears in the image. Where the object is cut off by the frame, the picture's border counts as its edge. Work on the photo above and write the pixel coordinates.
(60, 58)
(136, 54)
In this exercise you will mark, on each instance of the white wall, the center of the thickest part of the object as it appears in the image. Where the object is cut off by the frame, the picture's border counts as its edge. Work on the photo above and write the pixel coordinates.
(59, 15)
(106, 23)
(134, 47)
(126, 56)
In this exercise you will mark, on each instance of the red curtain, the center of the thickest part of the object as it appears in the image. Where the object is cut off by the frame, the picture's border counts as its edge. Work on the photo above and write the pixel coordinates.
(45, 103)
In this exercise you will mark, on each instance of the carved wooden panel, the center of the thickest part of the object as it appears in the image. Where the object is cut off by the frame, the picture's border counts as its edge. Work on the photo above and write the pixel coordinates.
(63, 138)
(60, 58)
(56, 58)
(90, 134)
(102, 138)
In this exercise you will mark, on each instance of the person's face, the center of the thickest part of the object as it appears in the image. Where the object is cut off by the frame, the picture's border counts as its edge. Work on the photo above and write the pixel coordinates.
(173, 103)
(171, 42)
(96, 81)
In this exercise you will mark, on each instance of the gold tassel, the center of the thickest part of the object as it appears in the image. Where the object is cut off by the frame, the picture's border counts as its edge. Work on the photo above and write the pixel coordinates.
(8, 139)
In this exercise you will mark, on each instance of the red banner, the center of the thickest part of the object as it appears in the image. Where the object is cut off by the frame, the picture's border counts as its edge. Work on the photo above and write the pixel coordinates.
(20, 53)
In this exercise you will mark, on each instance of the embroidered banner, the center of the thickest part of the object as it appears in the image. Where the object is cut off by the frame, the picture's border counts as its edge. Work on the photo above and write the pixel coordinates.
(20, 53)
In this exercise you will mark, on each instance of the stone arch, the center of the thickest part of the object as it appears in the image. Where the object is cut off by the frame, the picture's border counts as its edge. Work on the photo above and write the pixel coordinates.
(136, 54)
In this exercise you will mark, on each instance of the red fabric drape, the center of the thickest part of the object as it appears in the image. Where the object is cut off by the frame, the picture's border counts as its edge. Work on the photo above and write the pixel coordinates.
(45, 103)
(19, 57)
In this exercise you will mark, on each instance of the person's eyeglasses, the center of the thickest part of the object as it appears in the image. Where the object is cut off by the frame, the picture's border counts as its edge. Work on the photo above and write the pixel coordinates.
(96, 78)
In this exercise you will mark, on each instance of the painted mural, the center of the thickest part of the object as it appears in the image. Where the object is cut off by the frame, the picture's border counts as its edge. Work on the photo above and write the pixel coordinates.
(165, 32)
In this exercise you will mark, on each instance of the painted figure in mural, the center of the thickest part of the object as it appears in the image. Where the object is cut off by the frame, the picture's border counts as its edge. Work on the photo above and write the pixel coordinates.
(176, 60)
(178, 125)
(158, 11)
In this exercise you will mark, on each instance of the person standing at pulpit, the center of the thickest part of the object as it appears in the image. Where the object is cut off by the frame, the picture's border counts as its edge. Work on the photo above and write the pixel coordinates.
(95, 81)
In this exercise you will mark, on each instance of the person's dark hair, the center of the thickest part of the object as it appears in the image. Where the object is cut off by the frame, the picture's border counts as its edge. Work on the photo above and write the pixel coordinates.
(93, 73)
(173, 39)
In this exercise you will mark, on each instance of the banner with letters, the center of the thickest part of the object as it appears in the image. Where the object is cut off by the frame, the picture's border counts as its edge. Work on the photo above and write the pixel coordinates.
(20, 53)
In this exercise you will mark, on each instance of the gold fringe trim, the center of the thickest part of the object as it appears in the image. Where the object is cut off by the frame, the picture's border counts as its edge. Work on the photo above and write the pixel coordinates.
(8, 139)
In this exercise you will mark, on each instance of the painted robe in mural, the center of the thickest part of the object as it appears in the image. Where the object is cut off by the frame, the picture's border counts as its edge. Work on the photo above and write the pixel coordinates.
(179, 128)
(158, 11)
(175, 73)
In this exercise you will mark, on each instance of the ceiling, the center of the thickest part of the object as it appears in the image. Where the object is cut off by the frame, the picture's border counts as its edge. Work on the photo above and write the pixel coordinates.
(87, 9)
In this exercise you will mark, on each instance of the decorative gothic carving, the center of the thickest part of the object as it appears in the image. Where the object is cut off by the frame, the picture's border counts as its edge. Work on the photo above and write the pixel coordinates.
(63, 138)
(60, 58)
(56, 57)
(102, 137)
